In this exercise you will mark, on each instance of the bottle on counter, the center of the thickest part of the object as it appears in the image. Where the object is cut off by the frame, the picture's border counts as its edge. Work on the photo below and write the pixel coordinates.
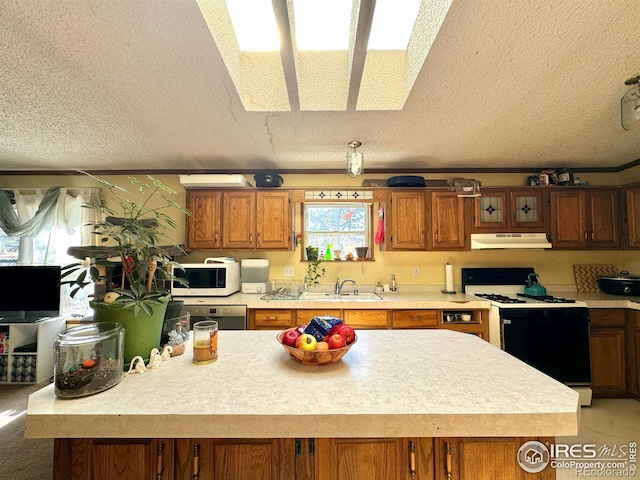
(328, 255)
(394, 286)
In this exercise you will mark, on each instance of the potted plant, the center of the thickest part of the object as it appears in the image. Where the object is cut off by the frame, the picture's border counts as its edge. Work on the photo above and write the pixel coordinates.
(134, 234)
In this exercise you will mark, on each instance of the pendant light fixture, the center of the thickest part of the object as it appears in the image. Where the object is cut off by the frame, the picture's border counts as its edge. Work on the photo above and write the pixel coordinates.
(355, 160)
(630, 103)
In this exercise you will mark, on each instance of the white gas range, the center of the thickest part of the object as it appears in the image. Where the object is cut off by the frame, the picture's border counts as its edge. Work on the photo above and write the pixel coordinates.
(547, 332)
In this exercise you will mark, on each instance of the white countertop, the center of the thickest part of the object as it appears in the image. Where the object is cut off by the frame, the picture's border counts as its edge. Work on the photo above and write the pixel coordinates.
(392, 383)
(415, 298)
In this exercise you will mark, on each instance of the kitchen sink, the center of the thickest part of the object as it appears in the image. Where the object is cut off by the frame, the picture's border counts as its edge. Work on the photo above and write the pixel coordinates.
(334, 297)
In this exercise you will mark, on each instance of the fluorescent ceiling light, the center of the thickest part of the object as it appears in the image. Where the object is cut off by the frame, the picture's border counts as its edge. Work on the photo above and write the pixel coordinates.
(254, 24)
(322, 24)
(392, 24)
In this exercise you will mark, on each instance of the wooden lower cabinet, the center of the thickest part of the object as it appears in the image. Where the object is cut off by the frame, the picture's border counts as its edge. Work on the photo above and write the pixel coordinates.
(293, 459)
(235, 459)
(484, 459)
(608, 352)
(374, 458)
(109, 459)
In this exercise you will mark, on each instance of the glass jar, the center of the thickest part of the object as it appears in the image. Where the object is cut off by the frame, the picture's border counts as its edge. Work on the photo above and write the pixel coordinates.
(88, 359)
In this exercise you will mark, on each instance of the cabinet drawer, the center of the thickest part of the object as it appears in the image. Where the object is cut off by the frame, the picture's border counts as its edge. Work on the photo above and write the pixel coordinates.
(303, 317)
(606, 317)
(273, 318)
(414, 318)
(366, 318)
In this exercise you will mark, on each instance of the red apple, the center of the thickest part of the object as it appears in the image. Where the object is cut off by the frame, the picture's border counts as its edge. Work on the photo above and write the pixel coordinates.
(336, 341)
(348, 333)
(322, 346)
(306, 341)
(290, 336)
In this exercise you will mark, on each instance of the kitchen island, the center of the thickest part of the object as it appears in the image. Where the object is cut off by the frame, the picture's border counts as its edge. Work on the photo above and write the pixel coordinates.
(393, 384)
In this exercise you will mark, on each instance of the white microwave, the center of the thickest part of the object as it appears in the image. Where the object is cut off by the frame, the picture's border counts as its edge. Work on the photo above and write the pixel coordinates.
(206, 279)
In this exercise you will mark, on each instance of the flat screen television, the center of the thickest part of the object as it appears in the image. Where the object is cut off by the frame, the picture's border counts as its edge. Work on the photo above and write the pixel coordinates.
(29, 292)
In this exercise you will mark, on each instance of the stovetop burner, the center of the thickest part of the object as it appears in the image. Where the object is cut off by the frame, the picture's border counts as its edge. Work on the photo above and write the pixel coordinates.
(547, 298)
(494, 297)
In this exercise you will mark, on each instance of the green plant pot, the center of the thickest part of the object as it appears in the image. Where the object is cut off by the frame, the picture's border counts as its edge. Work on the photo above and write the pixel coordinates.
(312, 253)
(141, 333)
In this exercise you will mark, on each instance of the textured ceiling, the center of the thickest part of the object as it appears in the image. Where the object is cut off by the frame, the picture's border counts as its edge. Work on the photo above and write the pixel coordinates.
(122, 84)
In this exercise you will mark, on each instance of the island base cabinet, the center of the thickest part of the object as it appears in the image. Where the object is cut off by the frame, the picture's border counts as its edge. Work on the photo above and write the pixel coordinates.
(108, 459)
(484, 459)
(235, 459)
(374, 458)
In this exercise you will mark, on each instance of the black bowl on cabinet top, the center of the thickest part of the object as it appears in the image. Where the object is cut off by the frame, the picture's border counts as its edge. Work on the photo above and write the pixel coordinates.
(406, 181)
(268, 180)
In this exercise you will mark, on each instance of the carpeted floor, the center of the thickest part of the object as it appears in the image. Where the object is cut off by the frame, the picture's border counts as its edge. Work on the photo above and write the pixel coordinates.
(21, 458)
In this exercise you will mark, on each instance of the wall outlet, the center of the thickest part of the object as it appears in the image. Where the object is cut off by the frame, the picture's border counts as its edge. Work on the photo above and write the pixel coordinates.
(288, 271)
(416, 271)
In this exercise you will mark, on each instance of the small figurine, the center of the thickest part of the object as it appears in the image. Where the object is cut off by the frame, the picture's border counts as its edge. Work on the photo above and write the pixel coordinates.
(137, 365)
(154, 359)
(166, 353)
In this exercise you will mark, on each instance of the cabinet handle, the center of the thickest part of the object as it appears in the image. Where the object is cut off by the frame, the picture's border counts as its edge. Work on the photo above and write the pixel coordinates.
(447, 460)
(258, 239)
(298, 447)
(412, 460)
(160, 461)
(251, 238)
(312, 447)
(271, 317)
(196, 461)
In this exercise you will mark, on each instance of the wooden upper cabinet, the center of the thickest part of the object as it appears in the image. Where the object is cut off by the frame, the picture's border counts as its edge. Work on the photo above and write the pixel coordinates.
(256, 220)
(499, 210)
(585, 219)
(633, 216)
(203, 226)
(408, 224)
(273, 220)
(238, 219)
(447, 224)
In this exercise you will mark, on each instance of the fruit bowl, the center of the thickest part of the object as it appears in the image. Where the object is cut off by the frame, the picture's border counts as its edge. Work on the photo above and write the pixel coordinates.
(315, 357)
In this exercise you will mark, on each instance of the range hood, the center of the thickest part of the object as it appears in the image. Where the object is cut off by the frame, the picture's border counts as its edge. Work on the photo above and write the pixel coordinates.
(209, 181)
(481, 241)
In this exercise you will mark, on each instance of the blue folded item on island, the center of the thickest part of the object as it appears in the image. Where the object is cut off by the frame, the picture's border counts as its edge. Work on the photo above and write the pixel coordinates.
(320, 326)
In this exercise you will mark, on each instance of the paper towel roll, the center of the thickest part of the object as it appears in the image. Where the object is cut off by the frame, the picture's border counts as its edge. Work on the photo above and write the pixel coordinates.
(448, 277)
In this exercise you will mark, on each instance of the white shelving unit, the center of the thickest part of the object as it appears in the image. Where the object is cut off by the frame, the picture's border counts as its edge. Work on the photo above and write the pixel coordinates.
(36, 364)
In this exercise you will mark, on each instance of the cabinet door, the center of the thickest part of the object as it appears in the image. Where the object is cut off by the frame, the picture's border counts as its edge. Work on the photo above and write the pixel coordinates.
(361, 459)
(633, 217)
(238, 220)
(408, 221)
(491, 211)
(366, 318)
(484, 459)
(107, 459)
(603, 219)
(273, 221)
(233, 459)
(203, 226)
(568, 219)
(526, 210)
(447, 221)
(608, 361)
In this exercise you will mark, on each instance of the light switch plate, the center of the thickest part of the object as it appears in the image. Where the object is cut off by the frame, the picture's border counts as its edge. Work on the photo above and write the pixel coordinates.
(288, 271)
(416, 271)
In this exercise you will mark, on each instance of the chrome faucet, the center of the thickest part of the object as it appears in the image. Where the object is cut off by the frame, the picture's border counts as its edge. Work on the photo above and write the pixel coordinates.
(340, 285)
